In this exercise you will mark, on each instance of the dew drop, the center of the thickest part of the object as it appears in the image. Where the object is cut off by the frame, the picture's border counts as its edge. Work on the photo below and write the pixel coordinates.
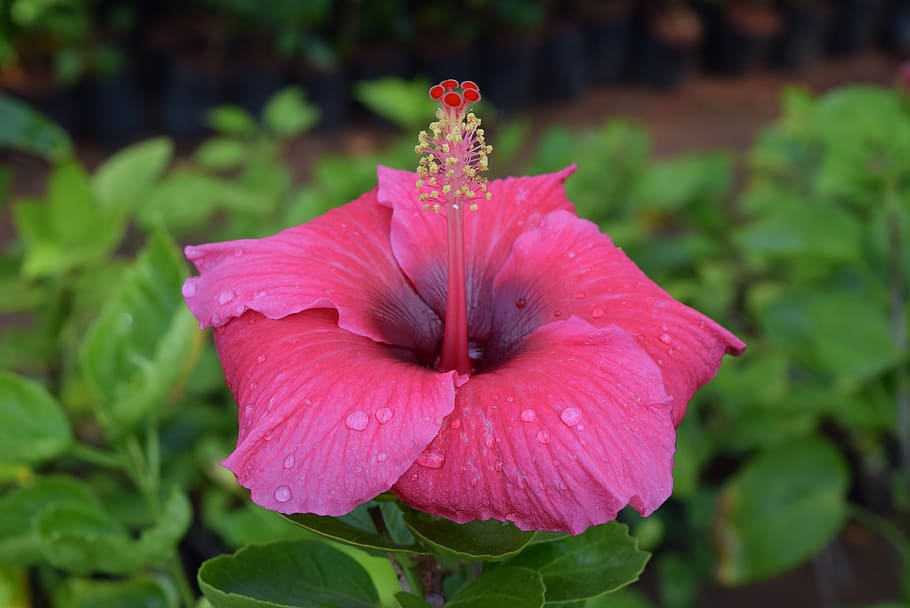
(455, 424)
(383, 415)
(557, 313)
(474, 482)
(260, 359)
(415, 477)
(238, 252)
(289, 462)
(226, 296)
(570, 255)
(357, 421)
(253, 386)
(520, 303)
(581, 295)
(282, 494)
(431, 459)
(189, 289)
(660, 361)
(543, 436)
(489, 441)
(597, 313)
(382, 456)
(307, 402)
(570, 416)
(510, 399)
(498, 466)
(665, 338)
(528, 415)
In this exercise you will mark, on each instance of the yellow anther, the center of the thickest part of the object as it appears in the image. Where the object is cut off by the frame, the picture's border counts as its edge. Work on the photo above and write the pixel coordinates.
(447, 188)
(473, 207)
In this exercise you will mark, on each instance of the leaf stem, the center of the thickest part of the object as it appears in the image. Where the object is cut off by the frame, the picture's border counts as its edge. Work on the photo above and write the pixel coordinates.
(403, 571)
(892, 533)
(96, 456)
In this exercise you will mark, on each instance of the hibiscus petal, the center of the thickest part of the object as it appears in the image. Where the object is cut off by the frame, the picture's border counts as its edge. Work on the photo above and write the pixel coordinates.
(419, 237)
(341, 260)
(562, 436)
(568, 267)
(328, 419)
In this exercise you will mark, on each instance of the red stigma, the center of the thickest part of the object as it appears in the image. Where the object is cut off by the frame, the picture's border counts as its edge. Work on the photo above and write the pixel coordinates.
(436, 91)
(453, 101)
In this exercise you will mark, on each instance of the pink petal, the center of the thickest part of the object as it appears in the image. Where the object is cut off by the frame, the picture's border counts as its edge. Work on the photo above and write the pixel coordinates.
(419, 236)
(561, 437)
(328, 419)
(340, 260)
(567, 267)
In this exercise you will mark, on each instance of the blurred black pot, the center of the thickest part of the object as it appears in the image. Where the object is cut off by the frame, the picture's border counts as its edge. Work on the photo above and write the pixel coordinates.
(113, 108)
(739, 36)
(562, 66)
(189, 92)
(508, 78)
(667, 45)
(607, 35)
(855, 25)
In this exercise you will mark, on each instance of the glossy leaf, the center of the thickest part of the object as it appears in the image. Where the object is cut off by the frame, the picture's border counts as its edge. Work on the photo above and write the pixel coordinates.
(404, 104)
(136, 350)
(300, 574)
(357, 529)
(511, 586)
(409, 600)
(85, 539)
(781, 508)
(488, 539)
(602, 559)
(19, 544)
(33, 426)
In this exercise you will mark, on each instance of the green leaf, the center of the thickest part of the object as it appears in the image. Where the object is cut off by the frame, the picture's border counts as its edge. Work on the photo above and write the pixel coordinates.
(232, 120)
(68, 228)
(134, 353)
(33, 426)
(780, 509)
(357, 529)
(402, 103)
(84, 539)
(222, 153)
(513, 587)
(602, 559)
(488, 539)
(288, 114)
(409, 600)
(142, 591)
(812, 326)
(123, 181)
(18, 542)
(27, 130)
(300, 574)
(186, 200)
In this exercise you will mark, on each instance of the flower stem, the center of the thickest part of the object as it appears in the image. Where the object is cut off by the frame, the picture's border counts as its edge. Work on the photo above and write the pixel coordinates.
(455, 336)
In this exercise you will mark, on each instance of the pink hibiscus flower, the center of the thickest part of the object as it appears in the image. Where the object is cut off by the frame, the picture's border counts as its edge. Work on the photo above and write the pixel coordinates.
(507, 362)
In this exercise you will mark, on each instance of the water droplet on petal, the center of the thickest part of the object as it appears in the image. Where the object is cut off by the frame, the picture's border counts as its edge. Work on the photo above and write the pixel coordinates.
(581, 295)
(415, 477)
(260, 359)
(253, 386)
(238, 252)
(189, 289)
(307, 402)
(570, 255)
(498, 465)
(665, 338)
(597, 313)
(510, 399)
(528, 415)
(382, 456)
(226, 296)
(520, 303)
(431, 459)
(474, 482)
(357, 421)
(489, 441)
(289, 462)
(455, 424)
(570, 416)
(557, 313)
(282, 494)
(543, 436)
(383, 415)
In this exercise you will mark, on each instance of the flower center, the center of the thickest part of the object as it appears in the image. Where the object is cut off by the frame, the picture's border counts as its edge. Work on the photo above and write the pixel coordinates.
(453, 157)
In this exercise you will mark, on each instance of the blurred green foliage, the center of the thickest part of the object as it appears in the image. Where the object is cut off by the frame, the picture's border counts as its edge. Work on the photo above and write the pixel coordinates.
(114, 415)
